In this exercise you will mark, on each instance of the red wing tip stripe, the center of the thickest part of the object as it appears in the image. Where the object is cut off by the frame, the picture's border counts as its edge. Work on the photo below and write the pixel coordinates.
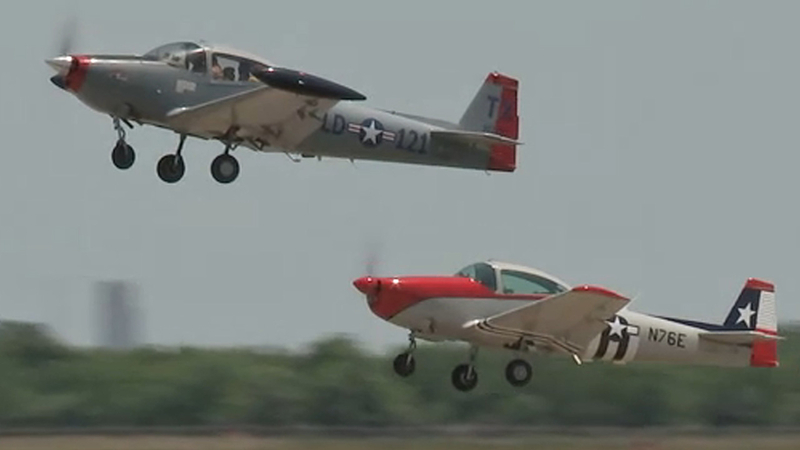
(760, 285)
(767, 332)
(600, 291)
(502, 80)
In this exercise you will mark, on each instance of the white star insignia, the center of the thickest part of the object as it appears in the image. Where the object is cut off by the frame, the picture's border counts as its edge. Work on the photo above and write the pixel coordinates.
(371, 133)
(616, 327)
(745, 314)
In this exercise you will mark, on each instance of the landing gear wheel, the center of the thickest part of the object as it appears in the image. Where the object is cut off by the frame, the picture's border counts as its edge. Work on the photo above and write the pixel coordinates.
(225, 168)
(404, 364)
(464, 377)
(518, 373)
(171, 168)
(123, 155)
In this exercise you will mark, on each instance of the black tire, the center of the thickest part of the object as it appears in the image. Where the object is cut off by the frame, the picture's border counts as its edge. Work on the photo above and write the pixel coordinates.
(171, 168)
(123, 156)
(464, 377)
(225, 168)
(404, 364)
(518, 373)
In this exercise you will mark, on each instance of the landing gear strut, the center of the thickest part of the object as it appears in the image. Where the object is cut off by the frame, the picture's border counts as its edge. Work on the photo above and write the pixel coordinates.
(171, 167)
(225, 168)
(464, 376)
(123, 155)
(404, 363)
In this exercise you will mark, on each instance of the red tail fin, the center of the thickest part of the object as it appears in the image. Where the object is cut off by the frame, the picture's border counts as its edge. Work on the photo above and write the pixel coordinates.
(494, 110)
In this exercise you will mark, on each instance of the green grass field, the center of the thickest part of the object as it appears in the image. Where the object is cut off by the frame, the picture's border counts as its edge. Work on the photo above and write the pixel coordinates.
(738, 442)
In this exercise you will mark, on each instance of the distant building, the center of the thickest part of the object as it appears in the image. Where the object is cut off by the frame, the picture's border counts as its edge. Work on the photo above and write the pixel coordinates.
(118, 315)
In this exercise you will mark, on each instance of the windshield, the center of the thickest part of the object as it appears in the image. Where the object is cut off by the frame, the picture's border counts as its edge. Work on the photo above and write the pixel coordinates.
(515, 282)
(482, 273)
(183, 55)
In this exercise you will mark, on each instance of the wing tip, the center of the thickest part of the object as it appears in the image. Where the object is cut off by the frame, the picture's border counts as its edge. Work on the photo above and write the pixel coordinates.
(599, 291)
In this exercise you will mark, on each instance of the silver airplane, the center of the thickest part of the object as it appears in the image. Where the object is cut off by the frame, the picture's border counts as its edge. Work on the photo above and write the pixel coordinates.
(212, 92)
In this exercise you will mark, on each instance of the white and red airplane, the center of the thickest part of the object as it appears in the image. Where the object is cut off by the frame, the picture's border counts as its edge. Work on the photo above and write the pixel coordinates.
(501, 305)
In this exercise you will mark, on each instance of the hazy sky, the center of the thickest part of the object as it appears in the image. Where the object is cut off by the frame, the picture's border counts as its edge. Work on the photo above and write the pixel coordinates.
(661, 158)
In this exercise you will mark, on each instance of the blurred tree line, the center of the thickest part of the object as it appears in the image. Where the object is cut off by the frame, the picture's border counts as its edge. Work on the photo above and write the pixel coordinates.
(46, 384)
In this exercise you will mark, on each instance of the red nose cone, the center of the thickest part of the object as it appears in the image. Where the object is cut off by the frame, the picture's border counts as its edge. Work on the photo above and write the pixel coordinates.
(365, 284)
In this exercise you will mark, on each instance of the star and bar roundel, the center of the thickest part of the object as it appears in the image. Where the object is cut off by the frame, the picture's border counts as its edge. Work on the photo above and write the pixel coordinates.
(371, 132)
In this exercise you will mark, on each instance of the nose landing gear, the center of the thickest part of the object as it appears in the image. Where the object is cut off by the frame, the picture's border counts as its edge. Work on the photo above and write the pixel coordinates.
(404, 363)
(123, 155)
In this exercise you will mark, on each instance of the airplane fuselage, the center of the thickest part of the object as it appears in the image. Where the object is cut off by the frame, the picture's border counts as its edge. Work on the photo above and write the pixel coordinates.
(636, 337)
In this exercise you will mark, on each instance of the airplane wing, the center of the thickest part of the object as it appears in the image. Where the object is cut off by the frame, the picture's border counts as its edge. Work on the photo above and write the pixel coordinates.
(278, 117)
(738, 337)
(281, 113)
(566, 322)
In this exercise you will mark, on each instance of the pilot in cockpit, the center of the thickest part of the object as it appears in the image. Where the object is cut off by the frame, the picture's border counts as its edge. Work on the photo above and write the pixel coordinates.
(216, 69)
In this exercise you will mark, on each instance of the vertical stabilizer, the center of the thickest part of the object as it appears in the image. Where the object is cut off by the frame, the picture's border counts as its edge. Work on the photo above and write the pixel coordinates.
(755, 310)
(494, 110)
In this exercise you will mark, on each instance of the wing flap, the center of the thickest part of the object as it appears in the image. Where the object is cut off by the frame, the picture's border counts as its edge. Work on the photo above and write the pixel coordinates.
(738, 337)
(566, 321)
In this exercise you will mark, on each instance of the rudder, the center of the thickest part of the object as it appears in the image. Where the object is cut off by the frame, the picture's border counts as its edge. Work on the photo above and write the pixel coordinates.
(494, 110)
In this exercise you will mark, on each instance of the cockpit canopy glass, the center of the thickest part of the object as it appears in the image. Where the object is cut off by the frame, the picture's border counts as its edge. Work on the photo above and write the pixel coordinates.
(482, 273)
(194, 58)
(516, 282)
(183, 55)
(234, 68)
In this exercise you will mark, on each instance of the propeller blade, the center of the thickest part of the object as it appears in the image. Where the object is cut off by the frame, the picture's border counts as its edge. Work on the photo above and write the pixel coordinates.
(372, 260)
(68, 34)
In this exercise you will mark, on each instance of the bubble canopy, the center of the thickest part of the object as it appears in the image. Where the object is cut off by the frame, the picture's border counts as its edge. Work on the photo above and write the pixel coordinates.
(222, 63)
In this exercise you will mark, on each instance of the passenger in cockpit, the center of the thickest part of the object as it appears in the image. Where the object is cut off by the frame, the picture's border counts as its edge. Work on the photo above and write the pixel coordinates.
(229, 74)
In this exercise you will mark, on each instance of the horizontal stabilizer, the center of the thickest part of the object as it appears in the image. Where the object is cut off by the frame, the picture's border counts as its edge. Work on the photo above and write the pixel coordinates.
(474, 137)
(738, 337)
(306, 84)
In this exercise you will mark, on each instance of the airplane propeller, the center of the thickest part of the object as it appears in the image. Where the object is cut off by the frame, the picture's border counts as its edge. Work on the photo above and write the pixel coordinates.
(370, 283)
(372, 260)
(69, 31)
(62, 63)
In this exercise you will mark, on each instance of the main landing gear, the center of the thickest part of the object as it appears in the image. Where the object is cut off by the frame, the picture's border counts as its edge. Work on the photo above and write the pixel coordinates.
(464, 376)
(225, 168)
(123, 155)
(518, 373)
(171, 167)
